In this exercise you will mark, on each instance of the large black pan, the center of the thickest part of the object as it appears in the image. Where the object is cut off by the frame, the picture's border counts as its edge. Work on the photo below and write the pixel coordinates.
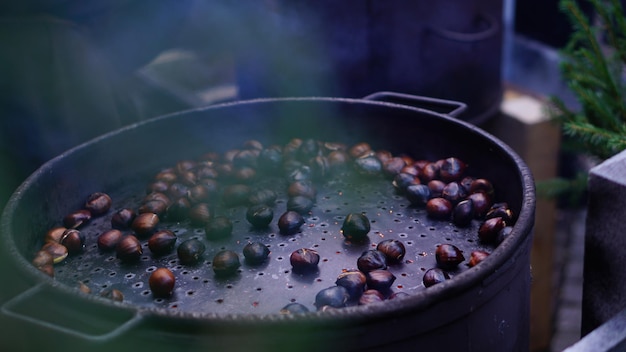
(484, 308)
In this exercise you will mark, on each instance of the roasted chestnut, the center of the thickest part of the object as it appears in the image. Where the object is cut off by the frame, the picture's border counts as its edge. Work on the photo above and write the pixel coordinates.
(300, 204)
(178, 210)
(304, 260)
(255, 253)
(56, 250)
(162, 282)
(108, 240)
(417, 194)
(190, 251)
(453, 192)
(355, 227)
(434, 276)
(359, 149)
(259, 215)
(369, 166)
(301, 188)
(463, 213)
(98, 203)
(218, 228)
(55, 234)
(500, 210)
(477, 257)
(481, 203)
(162, 242)
(436, 188)
(77, 218)
(380, 279)
(235, 195)
(144, 224)
(123, 218)
(334, 296)
(290, 222)
(263, 196)
(129, 249)
(452, 169)
(73, 240)
(225, 263)
(200, 214)
(294, 308)
(371, 260)
(155, 206)
(371, 296)
(488, 231)
(393, 250)
(448, 256)
(403, 180)
(439, 208)
(354, 281)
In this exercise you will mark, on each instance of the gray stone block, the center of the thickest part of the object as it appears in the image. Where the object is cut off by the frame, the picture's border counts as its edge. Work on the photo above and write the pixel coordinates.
(604, 287)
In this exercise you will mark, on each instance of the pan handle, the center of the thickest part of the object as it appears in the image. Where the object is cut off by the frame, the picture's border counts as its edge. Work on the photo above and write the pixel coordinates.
(38, 306)
(448, 107)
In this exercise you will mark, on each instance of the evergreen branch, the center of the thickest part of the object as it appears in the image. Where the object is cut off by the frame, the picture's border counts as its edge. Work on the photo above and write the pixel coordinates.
(602, 143)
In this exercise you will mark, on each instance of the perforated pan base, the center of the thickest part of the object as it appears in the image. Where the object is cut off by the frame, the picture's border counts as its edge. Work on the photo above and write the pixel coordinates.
(266, 288)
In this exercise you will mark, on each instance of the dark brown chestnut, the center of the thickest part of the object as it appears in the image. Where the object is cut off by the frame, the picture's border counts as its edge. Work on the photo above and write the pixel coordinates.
(380, 279)
(123, 218)
(290, 222)
(368, 166)
(463, 213)
(129, 249)
(199, 193)
(393, 166)
(359, 149)
(294, 308)
(178, 210)
(304, 260)
(394, 250)
(153, 206)
(263, 196)
(236, 194)
(162, 242)
(371, 296)
(481, 202)
(300, 204)
(452, 169)
(56, 250)
(355, 227)
(334, 296)
(255, 253)
(157, 196)
(417, 194)
(200, 214)
(259, 215)
(482, 185)
(302, 188)
(77, 219)
(501, 210)
(488, 231)
(439, 208)
(371, 260)
(190, 251)
(354, 281)
(162, 282)
(73, 240)
(55, 234)
(448, 256)
(218, 228)
(225, 263)
(436, 188)
(403, 180)
(434, 276)
(453, 192)
(108, 240)
(98, 203)
(145, 223)
(167, 176)
(477, 257)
